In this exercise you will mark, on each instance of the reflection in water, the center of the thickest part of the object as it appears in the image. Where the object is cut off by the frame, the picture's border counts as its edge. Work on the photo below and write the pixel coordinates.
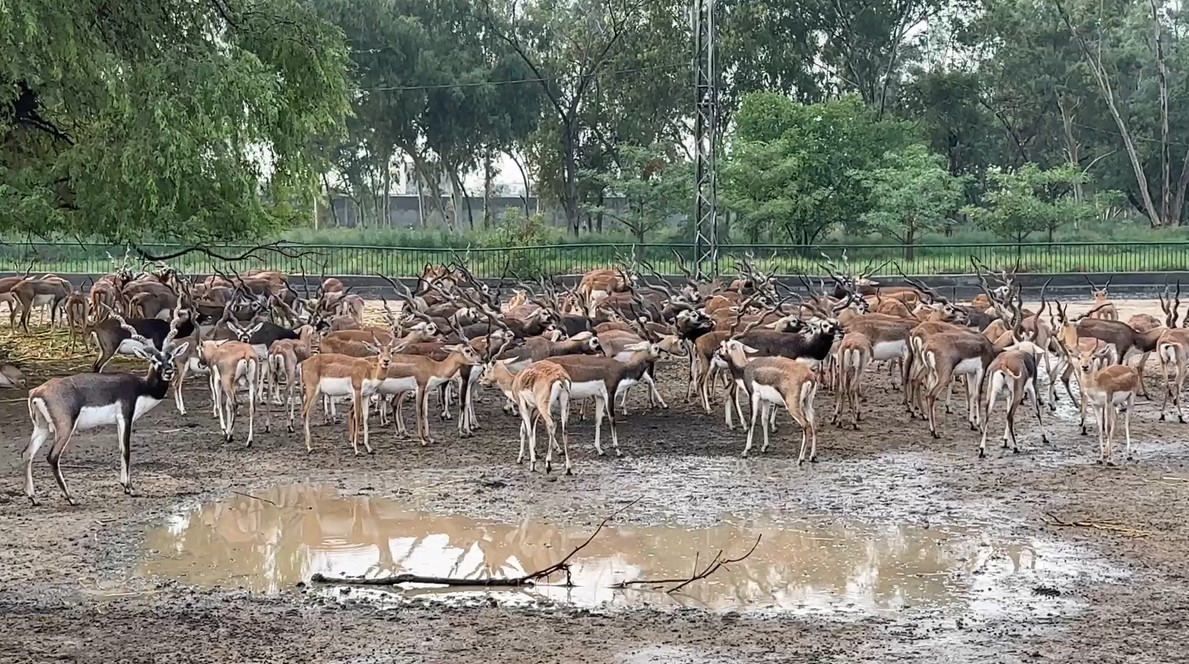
(249, 543)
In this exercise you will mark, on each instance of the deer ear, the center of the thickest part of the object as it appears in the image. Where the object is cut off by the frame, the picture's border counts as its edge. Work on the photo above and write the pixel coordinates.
(178, 350)
(255, 328)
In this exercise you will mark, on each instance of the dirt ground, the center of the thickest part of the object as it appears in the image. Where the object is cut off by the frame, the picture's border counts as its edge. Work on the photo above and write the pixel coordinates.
(71, 588)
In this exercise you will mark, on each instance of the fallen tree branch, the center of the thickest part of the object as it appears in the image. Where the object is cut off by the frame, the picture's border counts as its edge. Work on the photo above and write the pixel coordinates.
(562, 565)
(717, 563)
(276, 247)
(248, 495)
(1126, 531)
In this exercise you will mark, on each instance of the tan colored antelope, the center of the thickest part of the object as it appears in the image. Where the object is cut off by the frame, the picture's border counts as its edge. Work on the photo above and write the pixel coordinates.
(231, 362)
(1172, 349)
(775, 381)
(32, 293)
(1108, 388)
(536, 390)
(284, 357)
(1103, 309)
(853, 354)
(420, 374)
(1014, 372)
(11, 376)
(337, 375)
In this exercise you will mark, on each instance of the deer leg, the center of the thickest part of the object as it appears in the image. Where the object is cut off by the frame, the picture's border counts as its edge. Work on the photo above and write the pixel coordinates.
(253, 391)
(653, 392)
(1127, 422)
(755, 413)
(600, 405)
(41, 433)
(124, 431)
(563, 415)
(992, 394)
(1030, 389)
(61, 441)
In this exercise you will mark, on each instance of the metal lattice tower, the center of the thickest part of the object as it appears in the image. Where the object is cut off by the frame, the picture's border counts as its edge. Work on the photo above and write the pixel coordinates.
(705, 139)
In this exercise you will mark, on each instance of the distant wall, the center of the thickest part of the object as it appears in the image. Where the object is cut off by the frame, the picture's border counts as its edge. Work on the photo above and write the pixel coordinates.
(404, 211)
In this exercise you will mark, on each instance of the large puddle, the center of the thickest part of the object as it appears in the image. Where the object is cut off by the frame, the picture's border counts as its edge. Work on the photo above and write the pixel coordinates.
(279, 538)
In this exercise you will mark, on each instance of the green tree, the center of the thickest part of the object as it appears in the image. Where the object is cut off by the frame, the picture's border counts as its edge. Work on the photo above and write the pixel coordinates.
(794, 170)
(171, 120)
(1030, 200)
(912, 193)
(656, 186)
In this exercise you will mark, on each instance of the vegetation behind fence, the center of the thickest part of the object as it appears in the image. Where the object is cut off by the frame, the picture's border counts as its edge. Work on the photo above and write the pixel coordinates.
(550, 260)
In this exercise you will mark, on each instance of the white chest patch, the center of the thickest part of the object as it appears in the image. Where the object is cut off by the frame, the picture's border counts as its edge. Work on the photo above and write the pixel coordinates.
(98, 416)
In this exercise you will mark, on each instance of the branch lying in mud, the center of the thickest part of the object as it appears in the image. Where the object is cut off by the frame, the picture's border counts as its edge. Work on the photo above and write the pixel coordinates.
(562, 565)
(1125, 531)
(717, 563)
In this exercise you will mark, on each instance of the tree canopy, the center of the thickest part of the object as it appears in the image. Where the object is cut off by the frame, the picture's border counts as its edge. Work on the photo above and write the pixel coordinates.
(222, 118)
(169, 120)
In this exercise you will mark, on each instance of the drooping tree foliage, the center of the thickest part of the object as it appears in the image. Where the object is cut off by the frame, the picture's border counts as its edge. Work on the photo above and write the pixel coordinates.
(171, 120)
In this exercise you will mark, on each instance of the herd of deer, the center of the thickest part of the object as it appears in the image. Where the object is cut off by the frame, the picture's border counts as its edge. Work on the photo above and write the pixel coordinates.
(546, 346)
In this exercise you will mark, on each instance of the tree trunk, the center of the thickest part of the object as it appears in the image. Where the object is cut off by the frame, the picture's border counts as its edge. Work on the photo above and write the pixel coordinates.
(435, 188)
(1162, 78)
(1102, 78)
(1072, 147)
(569, 151)
(334, 214)
(488, 187)
(387, 207)
(528, 194)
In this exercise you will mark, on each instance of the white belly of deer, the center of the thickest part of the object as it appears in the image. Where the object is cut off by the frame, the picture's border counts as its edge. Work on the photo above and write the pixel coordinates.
(625, 384)
(887, 350)
(767, 393)
(336, 387)
(96, 416)
(42, 300)
(398, 385)
(588, 389)
(434, 381)
(130, 346)
(970, 365)
(261, 350)
(717, 363)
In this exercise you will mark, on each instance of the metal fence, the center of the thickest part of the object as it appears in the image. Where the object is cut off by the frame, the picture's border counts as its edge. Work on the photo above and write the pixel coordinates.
(345, 260)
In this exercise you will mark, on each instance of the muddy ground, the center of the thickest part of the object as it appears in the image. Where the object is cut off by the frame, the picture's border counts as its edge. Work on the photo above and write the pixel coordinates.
(72, 588)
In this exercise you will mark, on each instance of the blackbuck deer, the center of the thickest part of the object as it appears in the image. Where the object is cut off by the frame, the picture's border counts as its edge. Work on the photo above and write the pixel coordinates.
(853, 354)
(62, 406)
(284, 357)
(1109, 388)
(230, 363)
(1103, 309)
(1014, 372)
(420, 374)
(536, 390)
(336, 375)
(32, 293)
(126, 337)
(11, 376)
(772, 382)
(1172, 349)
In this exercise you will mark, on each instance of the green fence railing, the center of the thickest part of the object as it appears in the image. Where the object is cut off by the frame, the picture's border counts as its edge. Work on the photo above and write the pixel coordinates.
(782, 259)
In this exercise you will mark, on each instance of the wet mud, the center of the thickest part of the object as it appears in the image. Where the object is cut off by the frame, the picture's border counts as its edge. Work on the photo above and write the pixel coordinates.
(893, 547)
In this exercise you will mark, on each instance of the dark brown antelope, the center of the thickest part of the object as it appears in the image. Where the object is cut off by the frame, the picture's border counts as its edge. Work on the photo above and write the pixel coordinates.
(61, 406)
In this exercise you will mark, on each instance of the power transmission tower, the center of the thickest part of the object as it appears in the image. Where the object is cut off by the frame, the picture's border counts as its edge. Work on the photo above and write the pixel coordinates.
(705, 139)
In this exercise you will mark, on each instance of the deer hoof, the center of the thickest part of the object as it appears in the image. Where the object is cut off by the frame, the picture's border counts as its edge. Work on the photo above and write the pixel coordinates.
(982, 454)
(71, 500)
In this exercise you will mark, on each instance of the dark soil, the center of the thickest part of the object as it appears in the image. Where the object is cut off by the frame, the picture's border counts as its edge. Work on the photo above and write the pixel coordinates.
(71, 590)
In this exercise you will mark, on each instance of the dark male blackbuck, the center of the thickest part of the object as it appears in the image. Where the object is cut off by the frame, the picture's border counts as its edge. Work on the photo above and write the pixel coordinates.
(61, 406)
